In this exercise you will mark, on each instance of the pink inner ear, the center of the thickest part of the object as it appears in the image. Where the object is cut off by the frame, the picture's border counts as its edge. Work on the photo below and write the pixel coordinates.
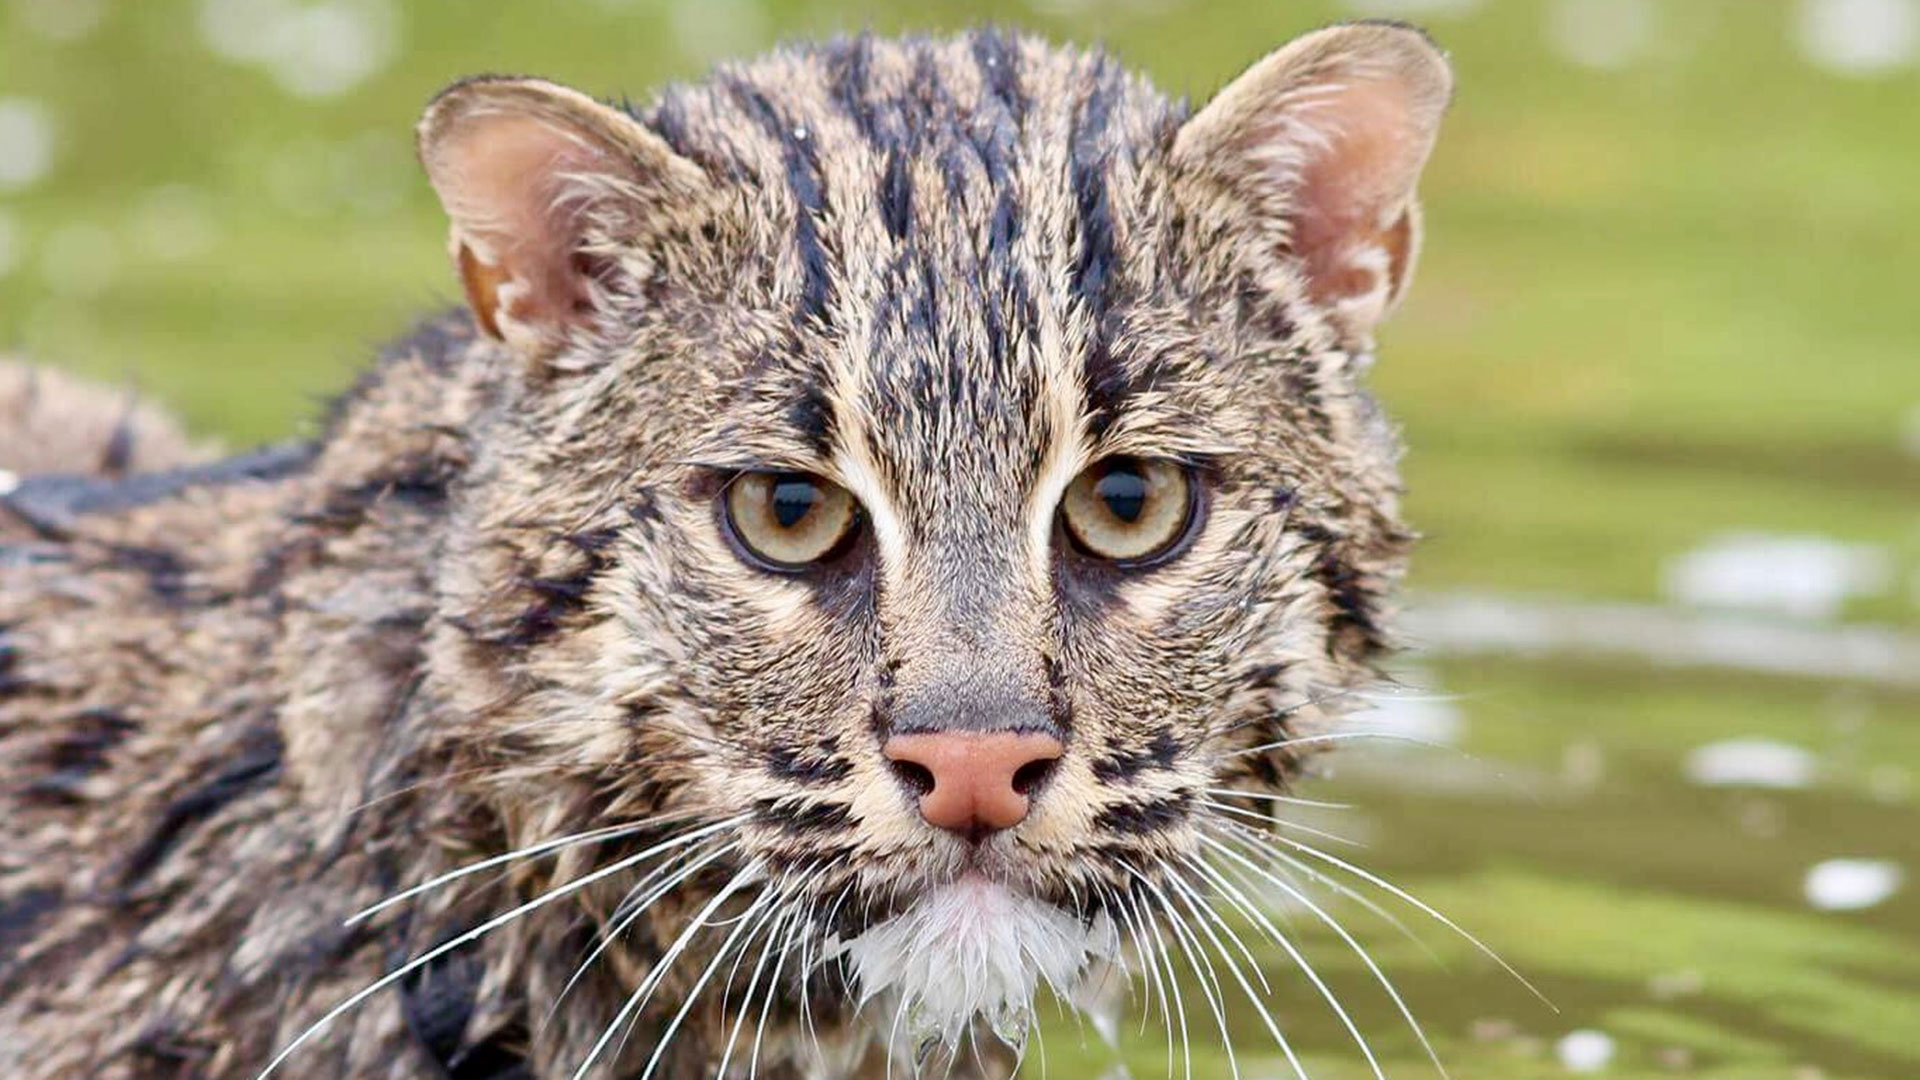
(1350, 207)
(505, 184)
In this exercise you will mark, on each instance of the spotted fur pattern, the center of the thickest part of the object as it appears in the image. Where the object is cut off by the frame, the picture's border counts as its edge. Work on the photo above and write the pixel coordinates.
(492, 604)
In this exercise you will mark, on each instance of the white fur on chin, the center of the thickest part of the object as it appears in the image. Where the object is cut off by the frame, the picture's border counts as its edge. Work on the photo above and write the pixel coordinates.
(972, 950)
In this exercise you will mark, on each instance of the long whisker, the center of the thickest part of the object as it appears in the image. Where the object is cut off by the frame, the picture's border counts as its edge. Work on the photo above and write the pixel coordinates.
(621, 922)
(1339, 736)
(1332, 924)
(770, 897)
(1270, 796)
(772, 921)
(609, 832)
(644, 991)
(1254, 842)
(796, 925)
(1229, 808)
(1173, 983)
(1233, 968)
(471, 935)
(1196, 955)
(1422, 905)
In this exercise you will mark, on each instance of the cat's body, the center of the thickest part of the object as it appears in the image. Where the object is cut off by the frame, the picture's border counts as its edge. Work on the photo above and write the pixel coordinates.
(504, 601)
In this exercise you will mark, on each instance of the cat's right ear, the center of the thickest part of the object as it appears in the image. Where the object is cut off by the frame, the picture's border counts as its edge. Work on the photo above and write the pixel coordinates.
(1319, 147)
(541, 183)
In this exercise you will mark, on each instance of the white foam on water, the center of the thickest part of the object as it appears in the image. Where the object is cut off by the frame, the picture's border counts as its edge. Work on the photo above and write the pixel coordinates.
(1585, 1050)
(1807, 577)
(1852, 884)
(1859, 37)
(1760, 763)
(26, 142)
(1602, 34)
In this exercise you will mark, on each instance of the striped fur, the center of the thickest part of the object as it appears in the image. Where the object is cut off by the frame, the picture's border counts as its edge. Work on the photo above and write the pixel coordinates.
(492, 607)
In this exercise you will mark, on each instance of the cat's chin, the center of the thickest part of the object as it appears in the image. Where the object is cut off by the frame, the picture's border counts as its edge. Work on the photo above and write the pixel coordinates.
(969, 953)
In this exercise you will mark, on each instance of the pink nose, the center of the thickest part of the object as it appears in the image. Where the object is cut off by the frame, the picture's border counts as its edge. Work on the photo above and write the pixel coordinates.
(974, 783)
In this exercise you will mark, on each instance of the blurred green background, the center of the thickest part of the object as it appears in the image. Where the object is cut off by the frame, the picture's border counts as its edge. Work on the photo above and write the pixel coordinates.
(1660, 377)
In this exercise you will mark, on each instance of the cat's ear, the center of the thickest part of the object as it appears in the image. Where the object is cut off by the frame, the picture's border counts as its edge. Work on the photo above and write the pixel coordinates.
(541, 183)
(1322, 143)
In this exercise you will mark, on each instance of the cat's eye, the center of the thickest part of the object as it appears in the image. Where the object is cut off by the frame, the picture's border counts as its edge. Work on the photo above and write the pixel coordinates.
(1127, 510)
(789, 520)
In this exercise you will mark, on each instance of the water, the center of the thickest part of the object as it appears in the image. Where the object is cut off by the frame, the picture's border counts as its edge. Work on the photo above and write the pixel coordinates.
(1628, 837)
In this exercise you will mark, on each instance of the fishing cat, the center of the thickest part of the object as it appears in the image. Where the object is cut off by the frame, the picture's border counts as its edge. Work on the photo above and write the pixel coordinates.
(886, 516)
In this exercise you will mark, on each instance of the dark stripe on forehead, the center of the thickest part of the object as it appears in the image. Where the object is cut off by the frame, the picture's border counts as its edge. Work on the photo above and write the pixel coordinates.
(1103, 377)
(896, 195)
(797, 148)
(999, 59)
(850, 71)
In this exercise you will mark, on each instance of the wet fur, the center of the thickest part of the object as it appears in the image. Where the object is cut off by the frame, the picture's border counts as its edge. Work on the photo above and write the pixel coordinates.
(491, 605)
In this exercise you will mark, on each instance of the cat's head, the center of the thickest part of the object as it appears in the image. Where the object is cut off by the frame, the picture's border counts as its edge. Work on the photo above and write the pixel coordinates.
(944, 461)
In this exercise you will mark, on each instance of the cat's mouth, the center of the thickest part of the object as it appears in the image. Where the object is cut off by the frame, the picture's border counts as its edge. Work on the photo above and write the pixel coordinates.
(969, 951)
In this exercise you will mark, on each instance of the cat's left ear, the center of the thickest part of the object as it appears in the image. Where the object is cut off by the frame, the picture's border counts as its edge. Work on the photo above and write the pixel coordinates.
(1322, 143)
(543, 185)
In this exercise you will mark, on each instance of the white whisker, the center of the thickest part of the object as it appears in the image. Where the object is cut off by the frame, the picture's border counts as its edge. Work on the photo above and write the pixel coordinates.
(609, 832)
(426, 958)
(1291, 800)
(1190, 948)
(1233, 968)
(1256, 843)
(644, 991)
(1236, 811)
(1423, 906)
(1332, 924)
(1340, 736)
(633, 912)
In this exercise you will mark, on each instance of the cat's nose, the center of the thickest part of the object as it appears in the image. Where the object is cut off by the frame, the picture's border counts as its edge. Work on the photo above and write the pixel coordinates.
(974, 783)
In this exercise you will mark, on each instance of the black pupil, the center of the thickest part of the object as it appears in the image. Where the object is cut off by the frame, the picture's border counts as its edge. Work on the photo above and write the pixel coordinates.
(794, 497)
(1124, 491)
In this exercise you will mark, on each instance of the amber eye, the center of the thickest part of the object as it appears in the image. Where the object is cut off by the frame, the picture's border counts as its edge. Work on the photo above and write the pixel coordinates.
(789, 520)
(1129, 510)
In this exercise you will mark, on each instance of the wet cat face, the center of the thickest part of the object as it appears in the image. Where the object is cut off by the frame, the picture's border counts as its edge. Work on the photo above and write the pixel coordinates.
(981, 476)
